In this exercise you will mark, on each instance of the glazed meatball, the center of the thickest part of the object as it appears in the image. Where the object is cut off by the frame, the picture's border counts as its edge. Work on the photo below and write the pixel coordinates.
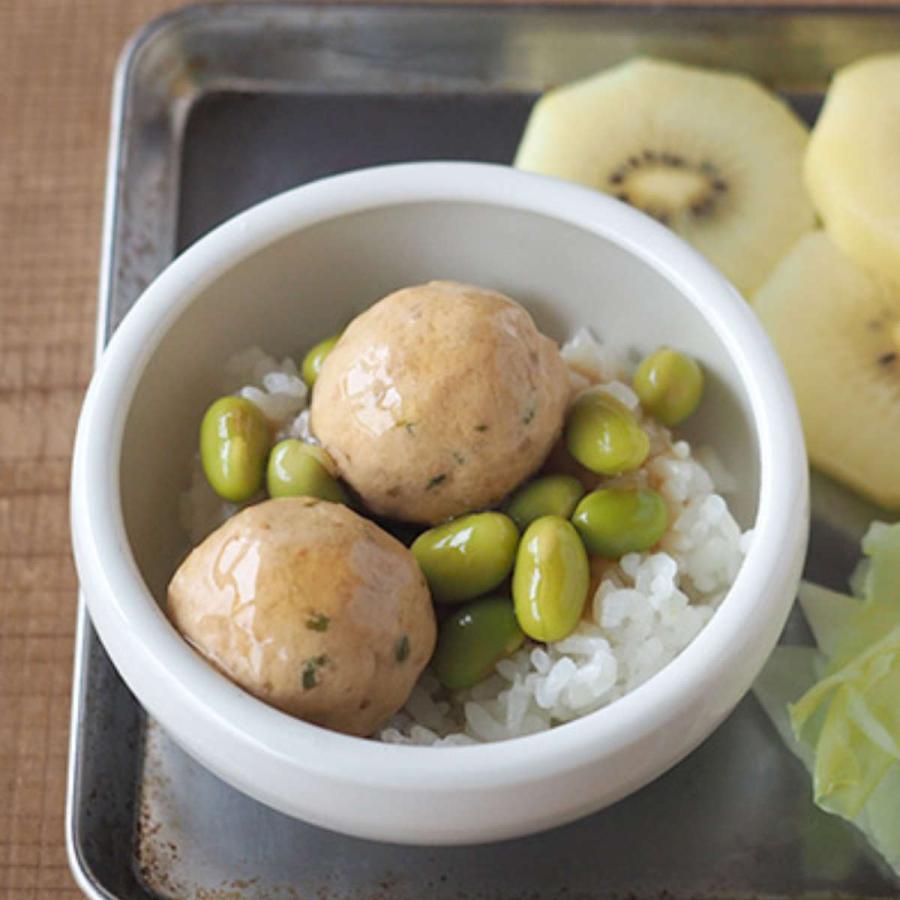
(311, 608)
(439, 400)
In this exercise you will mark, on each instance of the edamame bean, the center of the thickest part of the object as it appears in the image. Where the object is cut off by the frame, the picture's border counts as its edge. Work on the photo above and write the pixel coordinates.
(298, 469)
(550, 580)
(312, 362)
(474, 639)
(604, 436)
(467, 557)
(234, 440)
(669, 385)
(616, 521)
(553, 495)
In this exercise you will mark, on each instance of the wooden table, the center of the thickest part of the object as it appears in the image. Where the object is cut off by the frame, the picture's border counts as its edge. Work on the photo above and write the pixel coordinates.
(56, 64)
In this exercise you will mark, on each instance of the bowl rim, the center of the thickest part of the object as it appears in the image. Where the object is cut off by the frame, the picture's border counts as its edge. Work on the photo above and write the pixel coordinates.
(120, 601)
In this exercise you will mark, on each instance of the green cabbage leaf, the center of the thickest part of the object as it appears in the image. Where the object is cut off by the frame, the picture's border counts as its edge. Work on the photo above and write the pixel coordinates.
(837, 706)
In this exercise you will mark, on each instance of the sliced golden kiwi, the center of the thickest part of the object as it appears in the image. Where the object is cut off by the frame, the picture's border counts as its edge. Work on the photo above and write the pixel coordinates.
(712, 155)
(837, 329)
(851, 167)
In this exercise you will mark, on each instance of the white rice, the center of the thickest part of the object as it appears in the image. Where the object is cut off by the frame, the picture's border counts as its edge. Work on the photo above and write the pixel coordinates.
(647, 608)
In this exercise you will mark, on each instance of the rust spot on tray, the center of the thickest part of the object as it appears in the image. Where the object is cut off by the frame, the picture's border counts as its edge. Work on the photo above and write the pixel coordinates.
(187, 81)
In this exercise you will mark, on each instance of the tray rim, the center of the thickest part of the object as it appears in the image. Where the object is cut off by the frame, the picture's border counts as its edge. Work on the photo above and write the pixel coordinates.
(150, 32)
(81, 870)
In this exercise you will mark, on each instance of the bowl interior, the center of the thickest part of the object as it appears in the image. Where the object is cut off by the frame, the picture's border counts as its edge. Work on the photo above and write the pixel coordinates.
(303, 287)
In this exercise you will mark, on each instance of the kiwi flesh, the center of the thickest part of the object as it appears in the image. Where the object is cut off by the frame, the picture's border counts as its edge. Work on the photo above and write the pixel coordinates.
(836, 327)
(712, 155)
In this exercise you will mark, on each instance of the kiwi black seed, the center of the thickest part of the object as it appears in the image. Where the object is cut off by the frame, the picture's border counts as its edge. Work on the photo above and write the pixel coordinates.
(700, 203)
(885, 325)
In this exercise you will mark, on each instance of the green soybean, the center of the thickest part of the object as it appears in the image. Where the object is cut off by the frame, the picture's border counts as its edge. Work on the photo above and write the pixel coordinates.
(604, 436)
(616, 521)
(474, 639)
(234, 440)
(669, 385)
(551, 578)
(297, 469)
(554, 495)
(312, 362)
(467, 557)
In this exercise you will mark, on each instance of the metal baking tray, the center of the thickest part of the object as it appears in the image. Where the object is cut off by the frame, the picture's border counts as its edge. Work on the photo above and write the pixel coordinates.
(218, 107)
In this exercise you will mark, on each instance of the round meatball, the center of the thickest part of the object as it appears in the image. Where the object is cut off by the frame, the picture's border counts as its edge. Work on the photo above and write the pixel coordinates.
(311, 608)
(439, 400)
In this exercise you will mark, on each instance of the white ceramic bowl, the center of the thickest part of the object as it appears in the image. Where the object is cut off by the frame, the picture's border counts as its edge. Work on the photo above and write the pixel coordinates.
(292, 270)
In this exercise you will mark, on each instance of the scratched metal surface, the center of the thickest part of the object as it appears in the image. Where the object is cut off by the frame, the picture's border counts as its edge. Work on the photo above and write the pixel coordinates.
(217, 108)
